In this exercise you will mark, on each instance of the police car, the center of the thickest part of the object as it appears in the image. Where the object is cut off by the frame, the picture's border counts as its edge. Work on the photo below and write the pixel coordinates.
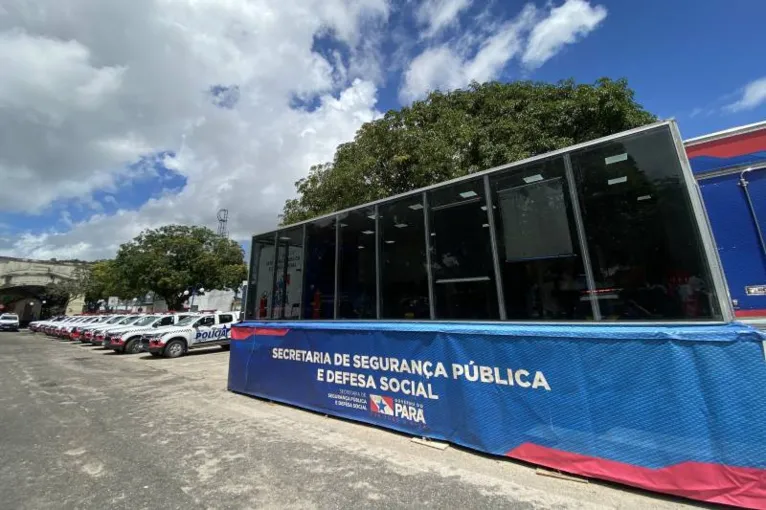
(63, 329)
(127, 339)
(204, 330)
(79, 331)
(97, 335)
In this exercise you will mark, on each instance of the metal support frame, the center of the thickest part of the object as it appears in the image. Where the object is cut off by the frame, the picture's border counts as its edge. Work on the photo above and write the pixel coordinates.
(495, 252)
(251, 273)
(429, 272)
(704, 227)
(303, 271)
(284, 278)
(580, 225)
(270, 311)
(744, 183)
(378, 290)
(336, 300)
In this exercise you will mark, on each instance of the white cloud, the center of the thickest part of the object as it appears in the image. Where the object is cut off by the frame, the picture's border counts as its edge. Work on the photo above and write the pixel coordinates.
(88, 86)
(446, 67)
(437, 15)
(753, 95)
(483, 53)
(564, 25)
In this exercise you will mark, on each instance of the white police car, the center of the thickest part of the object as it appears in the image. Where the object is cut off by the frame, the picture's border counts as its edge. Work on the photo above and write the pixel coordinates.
(127, 339)
(203, 330)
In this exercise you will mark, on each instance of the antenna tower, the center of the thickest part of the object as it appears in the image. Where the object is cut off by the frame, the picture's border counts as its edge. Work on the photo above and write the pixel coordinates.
(223, 220)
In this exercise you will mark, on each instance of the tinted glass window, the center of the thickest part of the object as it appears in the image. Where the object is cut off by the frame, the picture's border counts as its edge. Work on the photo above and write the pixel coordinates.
(357, 289)
(404, 280)
(319, 286)
(289, 281)
(540, 261)
(225, 318)
(461, 254)
(643, 240)
(206, 321)
(261, 277)
(166, 321)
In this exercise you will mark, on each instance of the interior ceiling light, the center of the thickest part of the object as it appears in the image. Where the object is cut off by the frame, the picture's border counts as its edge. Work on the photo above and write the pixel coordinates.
(533, 178)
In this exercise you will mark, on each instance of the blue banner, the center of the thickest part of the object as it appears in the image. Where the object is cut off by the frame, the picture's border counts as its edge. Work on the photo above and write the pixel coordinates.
(645, 406)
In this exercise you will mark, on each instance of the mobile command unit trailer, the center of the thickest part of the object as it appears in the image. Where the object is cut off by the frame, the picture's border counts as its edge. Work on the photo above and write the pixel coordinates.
(730, 167)
(568, 310)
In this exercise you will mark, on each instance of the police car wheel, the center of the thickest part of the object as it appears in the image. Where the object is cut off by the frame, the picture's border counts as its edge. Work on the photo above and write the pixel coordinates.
(174, 349)
(132, 347)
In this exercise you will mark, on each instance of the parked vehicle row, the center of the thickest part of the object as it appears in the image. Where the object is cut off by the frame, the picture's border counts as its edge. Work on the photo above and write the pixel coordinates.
(169, 334)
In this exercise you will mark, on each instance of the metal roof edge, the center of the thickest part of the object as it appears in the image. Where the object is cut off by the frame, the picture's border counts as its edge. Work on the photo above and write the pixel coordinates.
(718, 135)
(506, 166)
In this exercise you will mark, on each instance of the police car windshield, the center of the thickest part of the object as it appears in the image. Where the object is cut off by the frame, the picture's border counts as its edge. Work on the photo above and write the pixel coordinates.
(114, 320)
(129, 320)
(145, 321)
(187, 321)
(9, 316)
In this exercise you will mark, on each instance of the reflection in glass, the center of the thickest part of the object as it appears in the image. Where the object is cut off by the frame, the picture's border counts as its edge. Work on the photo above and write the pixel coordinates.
(404, 280)
(261, 277)
(540, 261)
(357, 265)
(319, 287)
(643, 240)
(461, 253)
(289, 280)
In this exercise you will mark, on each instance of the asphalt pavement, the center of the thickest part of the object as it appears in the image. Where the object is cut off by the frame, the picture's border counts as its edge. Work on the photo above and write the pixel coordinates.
(85, 428)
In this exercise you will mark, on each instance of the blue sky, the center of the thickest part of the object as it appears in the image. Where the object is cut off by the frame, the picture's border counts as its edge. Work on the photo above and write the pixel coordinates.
(203, 124)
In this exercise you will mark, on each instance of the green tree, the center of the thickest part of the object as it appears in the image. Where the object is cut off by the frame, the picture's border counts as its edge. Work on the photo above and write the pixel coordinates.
(448, 135)
(170, 259)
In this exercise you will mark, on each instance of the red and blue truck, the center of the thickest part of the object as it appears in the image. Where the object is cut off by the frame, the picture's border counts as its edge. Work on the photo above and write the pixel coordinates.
(730, 168)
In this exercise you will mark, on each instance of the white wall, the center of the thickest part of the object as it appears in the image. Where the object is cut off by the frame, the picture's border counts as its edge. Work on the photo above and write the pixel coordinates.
(213, 300)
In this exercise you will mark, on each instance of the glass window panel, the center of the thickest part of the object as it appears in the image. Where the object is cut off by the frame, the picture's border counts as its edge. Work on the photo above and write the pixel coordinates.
(404, 280)
(461, 253)
(644, 243)
(357, 265)
(289, 281)
(319, 286)
(540, 260)
(261, 277)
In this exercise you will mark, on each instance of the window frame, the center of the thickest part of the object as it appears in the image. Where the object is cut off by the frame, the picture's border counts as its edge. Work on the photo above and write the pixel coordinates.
(698, 223)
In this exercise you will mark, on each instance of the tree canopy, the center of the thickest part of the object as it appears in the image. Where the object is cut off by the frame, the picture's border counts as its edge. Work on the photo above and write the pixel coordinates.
(448, 135)
(174, 258)
(165, 261)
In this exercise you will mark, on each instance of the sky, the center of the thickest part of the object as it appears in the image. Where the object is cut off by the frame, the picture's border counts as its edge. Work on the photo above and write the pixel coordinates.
(121, 116)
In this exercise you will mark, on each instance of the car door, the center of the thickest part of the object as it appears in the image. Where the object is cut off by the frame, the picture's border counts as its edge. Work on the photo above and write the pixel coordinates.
(204, 331)
(225, 320)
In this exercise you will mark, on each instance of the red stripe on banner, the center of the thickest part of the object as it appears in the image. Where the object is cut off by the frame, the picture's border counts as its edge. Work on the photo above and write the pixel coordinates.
(713, 483)
(750, 313)
(245, 332)
(738, 145)
(271, 331)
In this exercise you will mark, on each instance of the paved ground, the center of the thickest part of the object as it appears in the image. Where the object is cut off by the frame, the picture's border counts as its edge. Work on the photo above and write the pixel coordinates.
(81, 427)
